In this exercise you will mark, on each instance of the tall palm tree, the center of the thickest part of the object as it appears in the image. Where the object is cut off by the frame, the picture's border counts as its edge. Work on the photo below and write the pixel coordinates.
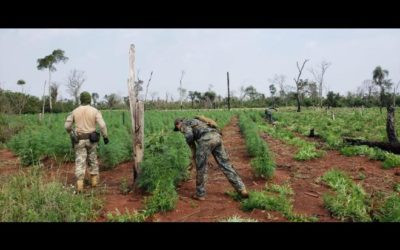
(378, 75)
(21, 83)
(48, 62)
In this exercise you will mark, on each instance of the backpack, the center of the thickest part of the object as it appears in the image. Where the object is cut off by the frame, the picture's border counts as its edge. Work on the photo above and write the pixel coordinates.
(210, 122)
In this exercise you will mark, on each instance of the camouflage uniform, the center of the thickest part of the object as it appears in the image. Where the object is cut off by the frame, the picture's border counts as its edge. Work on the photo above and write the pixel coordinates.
(85, 150)
(268, 115)
(85, 118)
(207, 140)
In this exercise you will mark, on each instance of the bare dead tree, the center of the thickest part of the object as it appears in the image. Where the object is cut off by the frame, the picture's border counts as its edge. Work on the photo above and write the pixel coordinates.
(153, 95)
(147, 86)
(369, 88)
(54, 91)
(138, 87)
(279, 80)
(242, 93)
(319, 74)
(76, 78)
(390, 124)
(297, 81)
(181, 90)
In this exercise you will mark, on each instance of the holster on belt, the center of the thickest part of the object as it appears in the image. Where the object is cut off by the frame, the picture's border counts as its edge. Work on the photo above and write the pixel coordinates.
(83, 136)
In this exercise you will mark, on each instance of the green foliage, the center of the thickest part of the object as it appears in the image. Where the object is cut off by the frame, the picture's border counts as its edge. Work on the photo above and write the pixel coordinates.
(307, 150)
(284, 189)
(263, 166)
(27, 197)
(390, 211)
(275, 198)
(262, 162)
(164, 198)
(397, 187)
(265, 201)
(124, 186)
(237, 218)
(48, 61)
(16, 102)
(128, 216)
(307, 153)
(166, 155)
(357, 150)
(9, 127)
(166, 158)
(390, 160)
(42, 140)
(350, 201)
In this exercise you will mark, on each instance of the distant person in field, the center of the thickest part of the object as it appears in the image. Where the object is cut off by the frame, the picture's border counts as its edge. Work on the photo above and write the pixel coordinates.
(268, 114)
(204, 137)
(86, 138)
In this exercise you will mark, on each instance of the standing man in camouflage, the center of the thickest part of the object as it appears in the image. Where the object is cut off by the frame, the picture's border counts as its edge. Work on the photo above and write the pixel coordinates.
(85, 118)
(204, 140)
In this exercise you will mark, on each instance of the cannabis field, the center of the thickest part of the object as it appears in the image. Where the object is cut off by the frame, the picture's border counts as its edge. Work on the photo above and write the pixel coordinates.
(290, 176)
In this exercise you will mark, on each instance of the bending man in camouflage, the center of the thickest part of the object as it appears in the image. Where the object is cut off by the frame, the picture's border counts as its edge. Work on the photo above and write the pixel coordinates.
(85, 118)
(204, 140)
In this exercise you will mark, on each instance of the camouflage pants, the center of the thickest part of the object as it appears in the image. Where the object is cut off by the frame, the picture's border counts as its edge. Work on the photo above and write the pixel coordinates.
(212, 143)
(85, 151)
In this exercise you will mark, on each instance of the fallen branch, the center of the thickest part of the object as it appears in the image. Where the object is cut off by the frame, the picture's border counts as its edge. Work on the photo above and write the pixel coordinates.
(311, 194)
(391, 147)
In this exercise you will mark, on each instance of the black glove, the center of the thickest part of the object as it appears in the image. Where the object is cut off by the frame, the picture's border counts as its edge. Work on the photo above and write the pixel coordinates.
(105, 139)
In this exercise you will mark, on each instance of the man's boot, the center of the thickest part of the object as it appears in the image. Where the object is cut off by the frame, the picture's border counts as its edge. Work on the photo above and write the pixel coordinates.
(244, 194)
(79, 186)
(199, 198)
(95, 180)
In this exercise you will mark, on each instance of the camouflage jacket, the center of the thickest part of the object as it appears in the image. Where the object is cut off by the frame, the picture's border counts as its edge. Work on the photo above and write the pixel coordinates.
(194, 129)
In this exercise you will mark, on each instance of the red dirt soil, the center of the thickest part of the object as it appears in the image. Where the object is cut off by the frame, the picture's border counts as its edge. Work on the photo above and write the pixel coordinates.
(218, 205)
(303, 177)
(9, 163)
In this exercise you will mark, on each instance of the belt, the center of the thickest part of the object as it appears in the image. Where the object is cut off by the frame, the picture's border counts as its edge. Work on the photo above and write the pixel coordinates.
(84, 136)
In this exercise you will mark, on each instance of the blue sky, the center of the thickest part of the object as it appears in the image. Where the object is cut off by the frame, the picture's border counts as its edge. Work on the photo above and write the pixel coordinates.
(252, 56)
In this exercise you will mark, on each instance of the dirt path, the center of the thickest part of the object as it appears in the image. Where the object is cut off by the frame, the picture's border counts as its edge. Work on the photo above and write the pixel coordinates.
(109, 186)
(9, 162)
(218, 205)
(303, 176)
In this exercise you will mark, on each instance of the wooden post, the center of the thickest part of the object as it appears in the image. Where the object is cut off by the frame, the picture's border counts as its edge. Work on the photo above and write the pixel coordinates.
(132, 104)
(139, 144)
(229, 94)
(137, 117)
(123, 118)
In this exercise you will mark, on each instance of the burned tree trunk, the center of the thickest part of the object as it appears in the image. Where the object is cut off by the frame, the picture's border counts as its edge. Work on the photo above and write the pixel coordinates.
(390, 128)
(298, 102)
(391, 147)
(297, 81)
(312, 133)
